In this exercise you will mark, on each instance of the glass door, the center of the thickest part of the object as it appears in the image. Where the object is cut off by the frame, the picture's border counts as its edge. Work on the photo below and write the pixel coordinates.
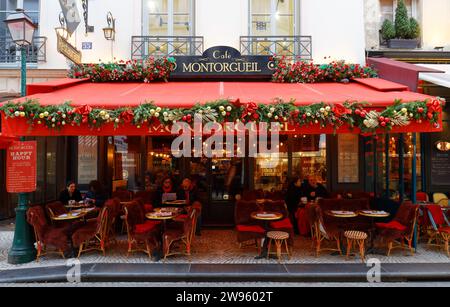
(218, 181)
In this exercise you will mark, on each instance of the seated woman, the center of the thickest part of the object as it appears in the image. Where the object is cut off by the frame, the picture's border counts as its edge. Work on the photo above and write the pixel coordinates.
(70, 193)
(166, 188)
(96, 194)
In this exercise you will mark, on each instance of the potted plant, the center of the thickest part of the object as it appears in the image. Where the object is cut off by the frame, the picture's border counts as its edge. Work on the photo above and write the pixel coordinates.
(404, 33)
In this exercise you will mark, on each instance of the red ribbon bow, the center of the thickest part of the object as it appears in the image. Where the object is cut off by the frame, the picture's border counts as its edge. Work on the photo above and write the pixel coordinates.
(127, 116)
(84, 111)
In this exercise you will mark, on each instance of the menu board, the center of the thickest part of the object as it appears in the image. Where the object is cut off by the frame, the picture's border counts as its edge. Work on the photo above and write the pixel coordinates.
(348, 158)
(21, 167)
(440, 168)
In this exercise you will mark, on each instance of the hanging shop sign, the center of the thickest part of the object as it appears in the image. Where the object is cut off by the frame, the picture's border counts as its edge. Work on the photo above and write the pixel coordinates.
(223, 61)
(68, 50)
(71, 14)
(21, 167)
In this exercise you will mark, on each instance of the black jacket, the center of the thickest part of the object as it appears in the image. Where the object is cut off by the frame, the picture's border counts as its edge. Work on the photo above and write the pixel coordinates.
(64, 196)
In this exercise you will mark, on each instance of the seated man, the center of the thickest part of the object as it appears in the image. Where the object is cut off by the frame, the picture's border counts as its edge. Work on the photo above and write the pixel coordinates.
(188, 193)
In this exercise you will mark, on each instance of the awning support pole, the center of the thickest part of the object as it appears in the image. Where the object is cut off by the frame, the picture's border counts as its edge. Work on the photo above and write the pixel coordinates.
(387, 162)
(401, 168)
(375, 166)
(414, 181)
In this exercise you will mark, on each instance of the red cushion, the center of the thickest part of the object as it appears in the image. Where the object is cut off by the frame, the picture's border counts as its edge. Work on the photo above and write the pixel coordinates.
(283, 224)
(392, 225)
(444, 229)
(182, 217)
(250, 228)
(436, 212)
(146, 227)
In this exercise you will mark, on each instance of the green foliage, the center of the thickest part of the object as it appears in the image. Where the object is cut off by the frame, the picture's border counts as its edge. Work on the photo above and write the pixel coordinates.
(402, 23)
(414, 30)
(388, 30)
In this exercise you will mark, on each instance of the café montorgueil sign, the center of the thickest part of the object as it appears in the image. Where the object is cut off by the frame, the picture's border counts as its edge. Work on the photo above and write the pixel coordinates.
(222, 61)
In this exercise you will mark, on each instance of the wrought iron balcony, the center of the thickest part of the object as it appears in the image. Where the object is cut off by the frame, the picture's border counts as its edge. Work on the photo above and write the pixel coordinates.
(143, 47)
(293, 47)
(10, 53)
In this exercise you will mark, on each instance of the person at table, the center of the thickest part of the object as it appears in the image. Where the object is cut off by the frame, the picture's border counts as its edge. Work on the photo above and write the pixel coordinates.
(312, 189)
(188, 192)
(96, 195)
(70, 193)
(166, 187)
(293, 196)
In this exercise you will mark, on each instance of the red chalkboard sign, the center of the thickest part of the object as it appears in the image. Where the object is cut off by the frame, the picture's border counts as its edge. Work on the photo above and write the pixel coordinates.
(21, 167)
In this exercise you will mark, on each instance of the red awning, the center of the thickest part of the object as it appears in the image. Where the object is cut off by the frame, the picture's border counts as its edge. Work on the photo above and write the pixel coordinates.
(377, 93)
(187, 94)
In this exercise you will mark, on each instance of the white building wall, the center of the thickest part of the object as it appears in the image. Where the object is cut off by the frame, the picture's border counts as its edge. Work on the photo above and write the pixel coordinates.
(435, 23)
(337, 28)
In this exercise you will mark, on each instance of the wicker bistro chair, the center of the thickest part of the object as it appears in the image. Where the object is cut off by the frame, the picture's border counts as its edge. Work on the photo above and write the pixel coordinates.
(114, 213)
(323, 232)
(141, 234)
(93, 235)
(46, 235)
(123, 195)
(182, 236)
(248, 230)
(55, 209)
(438, 227)
(400, 229)
(285, 224)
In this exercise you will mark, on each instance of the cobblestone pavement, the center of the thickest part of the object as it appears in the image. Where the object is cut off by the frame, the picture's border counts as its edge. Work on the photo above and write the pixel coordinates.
(220, 247)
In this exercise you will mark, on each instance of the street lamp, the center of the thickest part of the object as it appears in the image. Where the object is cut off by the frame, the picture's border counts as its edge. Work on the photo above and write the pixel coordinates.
(22, 28)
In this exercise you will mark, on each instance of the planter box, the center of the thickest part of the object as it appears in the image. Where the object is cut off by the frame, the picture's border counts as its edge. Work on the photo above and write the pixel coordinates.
(403, 43)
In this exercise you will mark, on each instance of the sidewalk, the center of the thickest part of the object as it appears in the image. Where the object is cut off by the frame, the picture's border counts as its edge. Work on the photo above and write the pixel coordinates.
(217, 257)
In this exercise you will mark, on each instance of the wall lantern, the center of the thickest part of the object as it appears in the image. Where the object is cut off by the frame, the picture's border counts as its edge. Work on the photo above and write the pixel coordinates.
(110, 30)
(62, 30)
(443, 146)
(21, 28)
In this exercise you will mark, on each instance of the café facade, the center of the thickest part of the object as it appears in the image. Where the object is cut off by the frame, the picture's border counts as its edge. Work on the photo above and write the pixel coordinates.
(356, 133)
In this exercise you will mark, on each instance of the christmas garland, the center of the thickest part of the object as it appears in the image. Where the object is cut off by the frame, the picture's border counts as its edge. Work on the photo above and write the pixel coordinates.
(159, 69)
(221, 111)
(308, 72)
(150, 70)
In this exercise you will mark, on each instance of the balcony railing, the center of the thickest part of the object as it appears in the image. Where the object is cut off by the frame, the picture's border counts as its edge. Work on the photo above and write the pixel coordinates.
(143, 47)
(10, 53)
(293, 47)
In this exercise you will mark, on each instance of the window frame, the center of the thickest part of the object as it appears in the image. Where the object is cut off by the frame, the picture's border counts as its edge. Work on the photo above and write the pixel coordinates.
(170, 19)
(273, 28)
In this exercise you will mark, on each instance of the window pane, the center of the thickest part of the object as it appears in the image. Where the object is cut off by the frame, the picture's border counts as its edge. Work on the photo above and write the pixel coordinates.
(160, 163)
(87, 159)
(127, 162)
(309, 154)
(181, 25)
(261, 17)
(181, 6)
(50, 189)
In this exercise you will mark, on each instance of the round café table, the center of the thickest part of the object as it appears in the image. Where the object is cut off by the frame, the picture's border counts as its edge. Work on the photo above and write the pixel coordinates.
(71, 217)
(266, 217)
(373, 214)
(341, 214)
(180, 203)
(162, 216)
